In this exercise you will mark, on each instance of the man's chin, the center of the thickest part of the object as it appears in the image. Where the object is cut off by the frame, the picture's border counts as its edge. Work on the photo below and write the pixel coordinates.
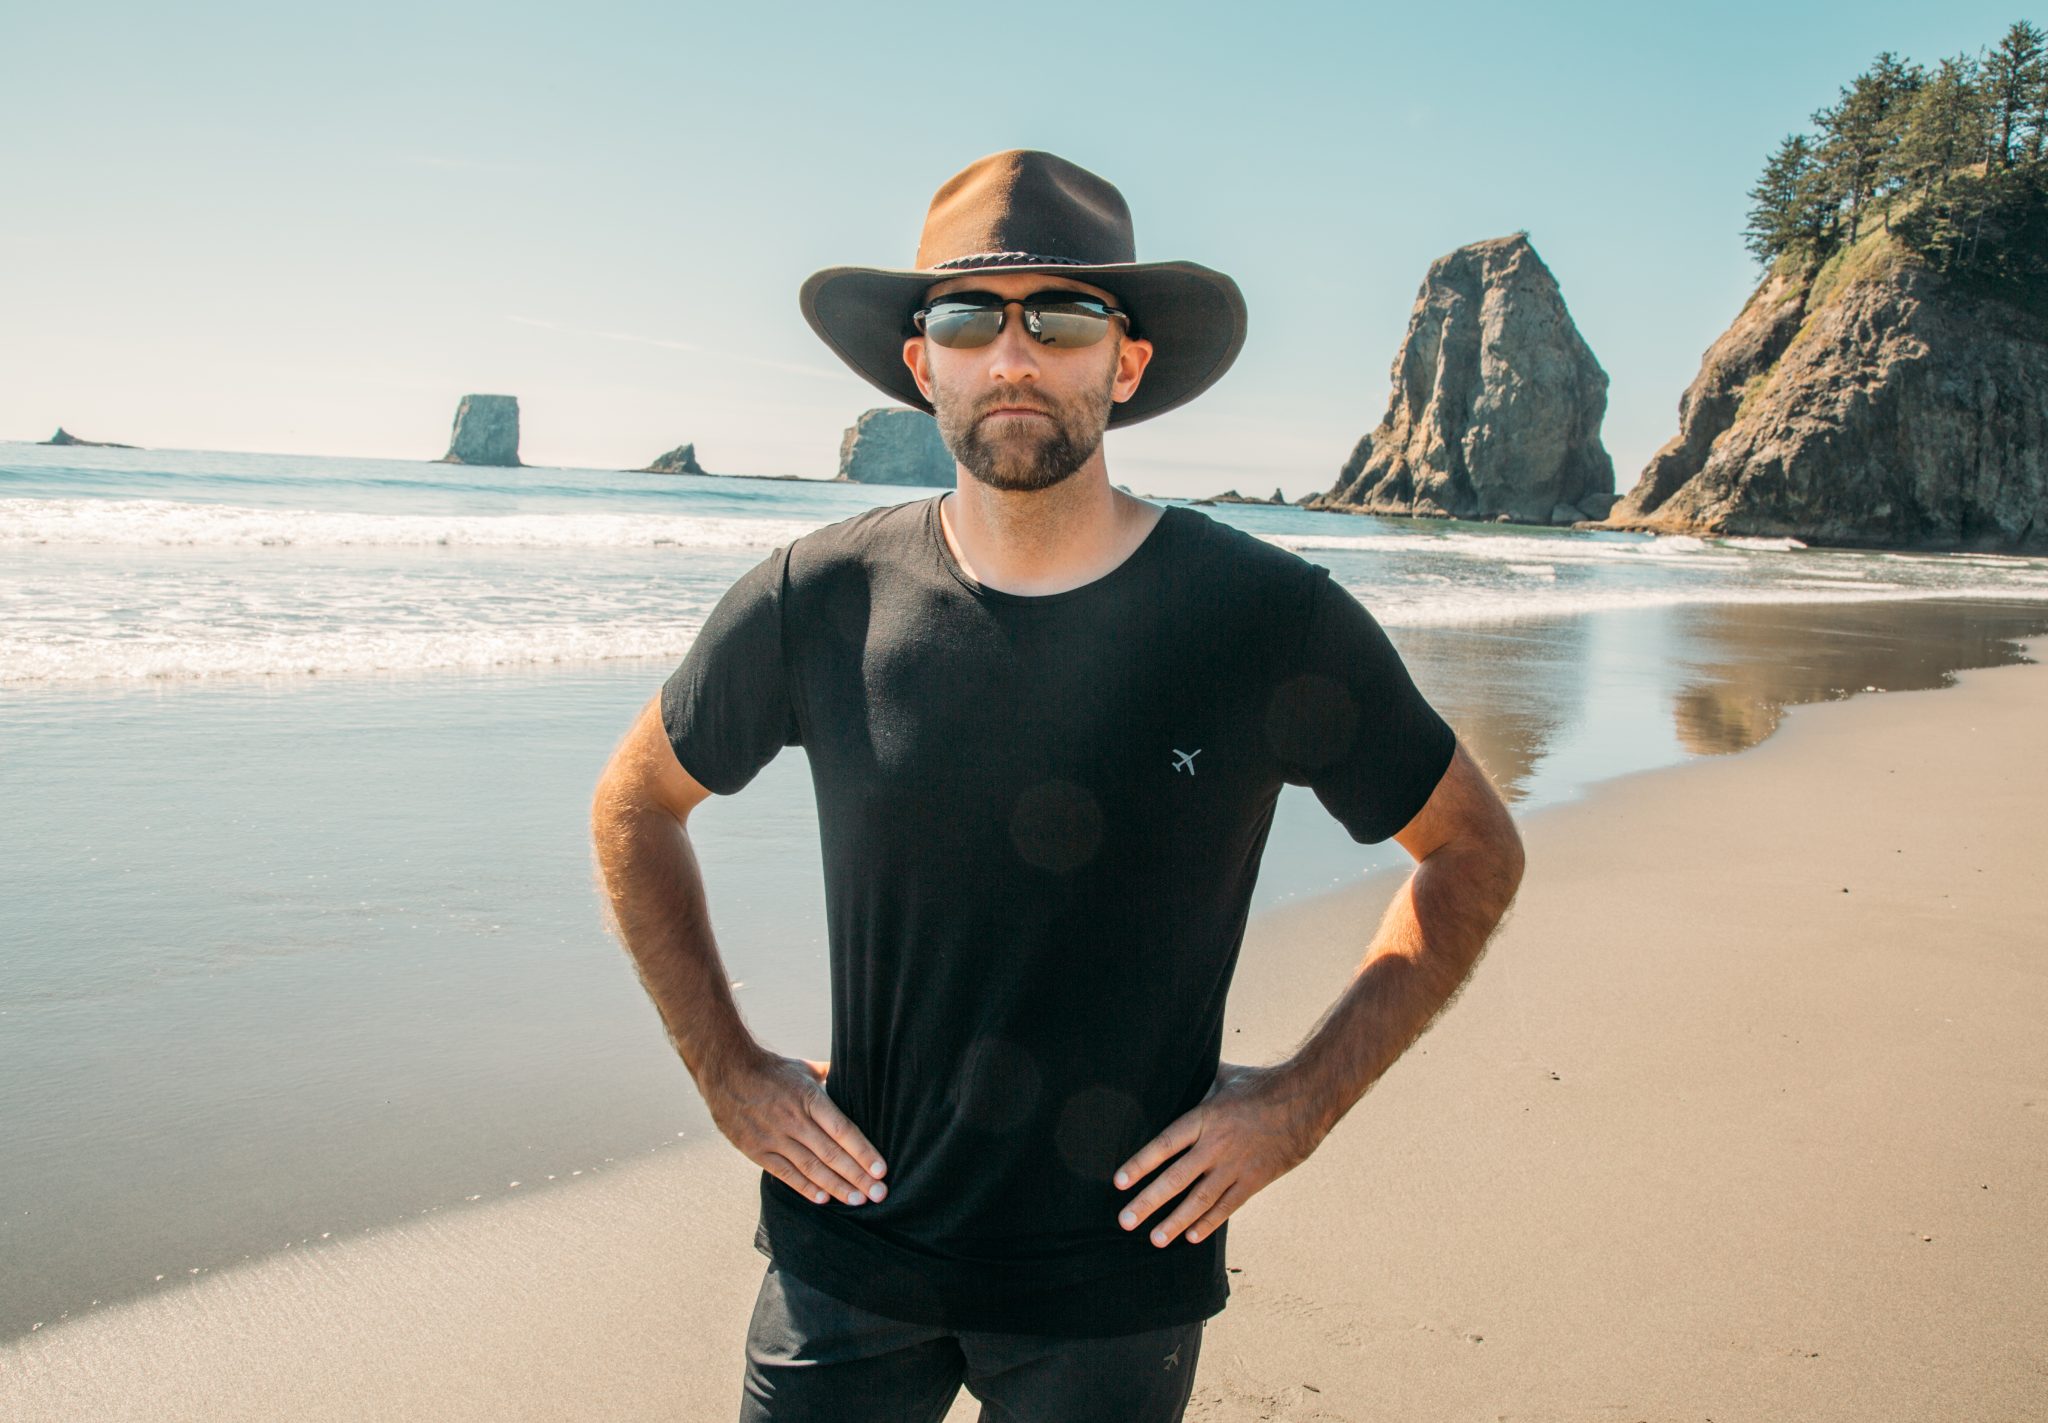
(1016, 453)
(1012, 477)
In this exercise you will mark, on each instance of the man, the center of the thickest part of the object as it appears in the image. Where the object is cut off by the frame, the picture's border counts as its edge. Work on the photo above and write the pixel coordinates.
(1047, 723)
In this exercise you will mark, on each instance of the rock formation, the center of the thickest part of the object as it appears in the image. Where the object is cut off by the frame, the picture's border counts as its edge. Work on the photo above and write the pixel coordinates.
(1868, 402)
(486, 431)
(1231, 496)
(65, 437)
(1496, 405)
(896, 446)
(680, 460)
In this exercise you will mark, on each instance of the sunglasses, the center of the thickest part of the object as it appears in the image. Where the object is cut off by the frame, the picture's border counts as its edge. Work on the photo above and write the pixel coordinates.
(964, 320)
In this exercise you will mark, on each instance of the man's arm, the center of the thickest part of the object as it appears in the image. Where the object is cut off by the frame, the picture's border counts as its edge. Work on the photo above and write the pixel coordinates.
(1469, 867)
(1259, 1123)
(773, 1108)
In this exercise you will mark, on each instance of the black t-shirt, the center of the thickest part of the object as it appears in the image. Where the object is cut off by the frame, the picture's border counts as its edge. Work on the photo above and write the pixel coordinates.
(1041, 819)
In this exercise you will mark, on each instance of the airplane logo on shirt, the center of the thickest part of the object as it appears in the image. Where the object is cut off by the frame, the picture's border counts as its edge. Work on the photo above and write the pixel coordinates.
(1185, 760)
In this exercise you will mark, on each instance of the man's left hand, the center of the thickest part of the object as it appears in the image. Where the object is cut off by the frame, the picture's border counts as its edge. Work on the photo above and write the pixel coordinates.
(1255, 1125)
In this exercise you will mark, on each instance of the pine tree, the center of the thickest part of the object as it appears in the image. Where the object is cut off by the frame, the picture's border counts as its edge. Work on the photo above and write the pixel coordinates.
(1893, 87)
(1859, 131)
(2012, 82)
(2037, 115)
(1788, 212)
(1943, 128)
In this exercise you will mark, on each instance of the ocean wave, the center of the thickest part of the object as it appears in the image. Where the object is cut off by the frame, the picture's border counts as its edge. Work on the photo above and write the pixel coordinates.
(1439, 607)
(166, 523)
(199, 650)
(1521, 547)
(335, 653)
(169, 523)
(103, 589)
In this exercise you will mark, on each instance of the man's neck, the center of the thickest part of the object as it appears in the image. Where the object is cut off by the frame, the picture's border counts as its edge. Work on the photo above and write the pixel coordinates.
(1040, 541)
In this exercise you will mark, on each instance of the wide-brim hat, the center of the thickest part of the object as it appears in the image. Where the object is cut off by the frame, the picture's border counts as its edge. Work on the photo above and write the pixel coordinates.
(1023, 210)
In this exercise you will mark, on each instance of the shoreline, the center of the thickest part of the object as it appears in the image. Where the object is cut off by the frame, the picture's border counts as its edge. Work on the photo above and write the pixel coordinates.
(1304, 503)
(208, 1177)
(1775, 1168)
(658, 663)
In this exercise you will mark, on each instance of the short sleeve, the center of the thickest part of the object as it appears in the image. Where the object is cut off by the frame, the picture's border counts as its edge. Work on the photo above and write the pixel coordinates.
(1346, 719)
(729, 707)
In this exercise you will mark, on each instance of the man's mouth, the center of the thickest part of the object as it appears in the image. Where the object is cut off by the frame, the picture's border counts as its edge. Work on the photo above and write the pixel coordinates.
(1016, 410)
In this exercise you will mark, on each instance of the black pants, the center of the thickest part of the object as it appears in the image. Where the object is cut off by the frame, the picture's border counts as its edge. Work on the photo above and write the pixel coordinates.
(813, 1358)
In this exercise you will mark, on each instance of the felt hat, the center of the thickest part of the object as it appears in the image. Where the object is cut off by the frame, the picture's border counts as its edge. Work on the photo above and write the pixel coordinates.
(1023, 210)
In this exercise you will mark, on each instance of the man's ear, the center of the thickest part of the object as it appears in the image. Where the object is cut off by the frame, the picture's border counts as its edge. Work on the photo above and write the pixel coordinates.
(1131, 359)
(913, 356)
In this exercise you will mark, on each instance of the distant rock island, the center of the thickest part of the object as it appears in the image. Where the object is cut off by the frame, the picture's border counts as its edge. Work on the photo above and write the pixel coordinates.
(1231, 496)
(680, 460)
(65, 437)
(1887, 383)
(486, 431)
(683, 460)
(1496, 406)
(896, 446)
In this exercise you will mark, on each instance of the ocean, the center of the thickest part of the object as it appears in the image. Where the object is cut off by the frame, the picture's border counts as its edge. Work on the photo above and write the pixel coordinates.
(301, 934)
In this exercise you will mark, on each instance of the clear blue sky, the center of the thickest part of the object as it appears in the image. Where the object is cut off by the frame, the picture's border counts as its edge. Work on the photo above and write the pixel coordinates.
(287, 227)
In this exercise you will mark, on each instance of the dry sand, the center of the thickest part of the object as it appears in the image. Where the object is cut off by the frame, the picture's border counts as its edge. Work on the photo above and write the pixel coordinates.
(1743, 1116)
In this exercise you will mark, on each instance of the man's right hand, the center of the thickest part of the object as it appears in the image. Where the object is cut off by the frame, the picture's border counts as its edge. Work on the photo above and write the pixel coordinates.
(776, 1111)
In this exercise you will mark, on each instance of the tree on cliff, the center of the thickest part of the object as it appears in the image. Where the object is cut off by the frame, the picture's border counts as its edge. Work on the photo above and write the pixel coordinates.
(2013, 78)
(1954, 158)
(1945, 128)
(1790, 211)
(1860, 133)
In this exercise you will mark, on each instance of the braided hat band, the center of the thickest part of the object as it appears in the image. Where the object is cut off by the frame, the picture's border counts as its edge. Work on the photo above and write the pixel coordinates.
(1009, 259)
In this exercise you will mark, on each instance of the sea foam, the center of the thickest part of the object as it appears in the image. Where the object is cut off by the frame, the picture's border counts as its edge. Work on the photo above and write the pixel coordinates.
(165, 523)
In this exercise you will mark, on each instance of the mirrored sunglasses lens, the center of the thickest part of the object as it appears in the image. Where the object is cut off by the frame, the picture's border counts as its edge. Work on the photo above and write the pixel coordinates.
(960, 325)
(1066, 325)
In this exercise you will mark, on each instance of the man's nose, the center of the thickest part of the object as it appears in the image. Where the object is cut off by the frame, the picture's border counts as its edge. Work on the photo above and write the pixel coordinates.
(1013, 355)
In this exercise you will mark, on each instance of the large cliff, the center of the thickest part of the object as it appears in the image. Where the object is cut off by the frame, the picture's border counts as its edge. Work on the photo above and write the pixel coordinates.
(1496, 405)
(1869, 401)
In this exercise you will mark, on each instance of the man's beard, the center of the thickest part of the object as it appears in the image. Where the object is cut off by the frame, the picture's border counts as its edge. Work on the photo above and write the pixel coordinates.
(1022, 452)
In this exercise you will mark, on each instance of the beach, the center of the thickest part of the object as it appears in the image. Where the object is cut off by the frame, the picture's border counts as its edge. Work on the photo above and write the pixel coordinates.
(1744, 1114)
(329, 1086)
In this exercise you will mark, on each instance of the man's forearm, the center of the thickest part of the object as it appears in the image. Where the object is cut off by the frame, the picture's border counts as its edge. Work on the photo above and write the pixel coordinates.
(658, 910)
(1428, 940)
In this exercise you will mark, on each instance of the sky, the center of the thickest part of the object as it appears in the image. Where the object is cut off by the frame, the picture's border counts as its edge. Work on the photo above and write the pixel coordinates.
(290, 228)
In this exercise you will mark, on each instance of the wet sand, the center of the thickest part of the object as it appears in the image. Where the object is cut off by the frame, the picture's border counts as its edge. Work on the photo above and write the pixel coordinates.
(1743, 1115)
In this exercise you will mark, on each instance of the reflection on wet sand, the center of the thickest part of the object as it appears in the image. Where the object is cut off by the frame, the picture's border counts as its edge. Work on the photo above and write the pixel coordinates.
(1509, 688)
(1549, 705)
(1747, 663)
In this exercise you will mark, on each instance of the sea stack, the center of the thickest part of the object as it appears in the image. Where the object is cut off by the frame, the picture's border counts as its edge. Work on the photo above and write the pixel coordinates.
(1231, 496)
(1865, 401)
(65, 437)
(896, 447)
(1496, 405)
(680, 460)
(486, 431)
